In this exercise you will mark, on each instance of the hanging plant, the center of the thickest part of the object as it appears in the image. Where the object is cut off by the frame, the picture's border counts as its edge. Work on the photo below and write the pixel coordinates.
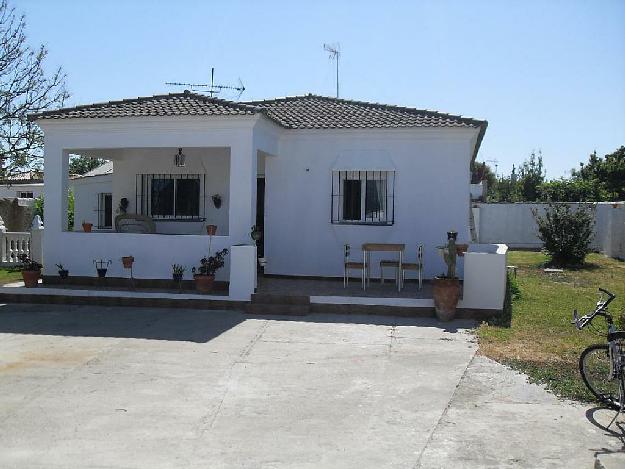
(217, 200)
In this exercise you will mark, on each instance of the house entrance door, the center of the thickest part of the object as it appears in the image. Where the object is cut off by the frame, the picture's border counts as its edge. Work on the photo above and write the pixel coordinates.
(260, 215)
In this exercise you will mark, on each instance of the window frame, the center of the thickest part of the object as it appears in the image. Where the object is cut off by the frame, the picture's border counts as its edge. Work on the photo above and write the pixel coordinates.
(143, 196)
(383, 217)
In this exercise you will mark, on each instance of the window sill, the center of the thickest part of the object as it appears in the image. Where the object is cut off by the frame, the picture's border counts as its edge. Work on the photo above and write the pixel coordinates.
(364, 223)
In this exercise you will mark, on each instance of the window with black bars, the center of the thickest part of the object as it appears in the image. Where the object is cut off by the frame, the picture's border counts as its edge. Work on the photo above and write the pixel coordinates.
(363, 197)
(171, 197)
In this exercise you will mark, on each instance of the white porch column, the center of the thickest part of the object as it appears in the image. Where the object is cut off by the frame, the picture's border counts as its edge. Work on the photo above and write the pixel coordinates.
(243, 168)
(56, 162)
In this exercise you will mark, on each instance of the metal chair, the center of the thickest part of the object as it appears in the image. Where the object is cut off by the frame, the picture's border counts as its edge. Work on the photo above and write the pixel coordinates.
(416, 266)
(351, 265)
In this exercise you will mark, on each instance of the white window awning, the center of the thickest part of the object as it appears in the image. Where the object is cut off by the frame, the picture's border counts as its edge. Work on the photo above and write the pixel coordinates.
(363, 160)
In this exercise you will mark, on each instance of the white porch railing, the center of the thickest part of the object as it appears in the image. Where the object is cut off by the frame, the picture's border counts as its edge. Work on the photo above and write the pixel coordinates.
(12, 244)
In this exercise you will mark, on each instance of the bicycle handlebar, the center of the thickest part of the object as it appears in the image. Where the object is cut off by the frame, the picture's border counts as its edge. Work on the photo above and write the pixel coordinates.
(580, 323)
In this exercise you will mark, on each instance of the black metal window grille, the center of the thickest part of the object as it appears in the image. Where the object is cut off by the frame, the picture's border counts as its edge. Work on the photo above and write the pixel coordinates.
(171, 197)
(25, 195)
(363, 197)
(105, 210)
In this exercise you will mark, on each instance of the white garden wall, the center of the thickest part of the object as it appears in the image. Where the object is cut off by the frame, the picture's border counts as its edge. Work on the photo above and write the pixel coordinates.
(514, 225)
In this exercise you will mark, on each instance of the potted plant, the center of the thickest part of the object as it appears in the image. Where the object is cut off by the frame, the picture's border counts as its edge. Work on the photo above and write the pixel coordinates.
(63, 272)
(177, 272)
(31, 271)
(86, 226)
(204, 275)
(127, 261)
(446, 288)
(101, 266)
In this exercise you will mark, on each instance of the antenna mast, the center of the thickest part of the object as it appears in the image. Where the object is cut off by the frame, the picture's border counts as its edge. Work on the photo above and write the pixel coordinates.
(335, 53)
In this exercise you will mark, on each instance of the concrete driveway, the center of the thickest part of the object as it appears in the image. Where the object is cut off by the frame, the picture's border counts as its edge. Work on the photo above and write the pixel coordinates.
(92, 387)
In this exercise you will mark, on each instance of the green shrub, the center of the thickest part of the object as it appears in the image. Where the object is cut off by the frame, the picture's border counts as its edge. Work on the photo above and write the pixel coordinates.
(566, 232)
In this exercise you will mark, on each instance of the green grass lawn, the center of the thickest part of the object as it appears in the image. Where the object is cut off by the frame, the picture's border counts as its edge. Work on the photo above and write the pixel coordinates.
(541, 341)
(10, 275)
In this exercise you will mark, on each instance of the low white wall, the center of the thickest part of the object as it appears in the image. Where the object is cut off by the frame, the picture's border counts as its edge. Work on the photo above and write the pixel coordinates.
(484, 285)
(154, 254)
(514, 225)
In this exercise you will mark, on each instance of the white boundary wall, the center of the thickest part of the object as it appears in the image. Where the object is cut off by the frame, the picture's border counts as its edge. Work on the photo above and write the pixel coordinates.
(514, 225)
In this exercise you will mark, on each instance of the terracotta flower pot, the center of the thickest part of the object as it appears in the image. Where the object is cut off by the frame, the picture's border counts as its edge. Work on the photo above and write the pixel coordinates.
(127, 261)
(446, 292)
(31, 278)
(86, 227)
(204, 283)
(211, 230)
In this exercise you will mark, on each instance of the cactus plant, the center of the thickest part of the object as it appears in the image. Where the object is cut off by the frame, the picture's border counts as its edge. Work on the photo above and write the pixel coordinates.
(449, 253)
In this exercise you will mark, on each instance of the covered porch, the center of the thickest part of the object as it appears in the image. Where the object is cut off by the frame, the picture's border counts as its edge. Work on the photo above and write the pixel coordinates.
(214, 185)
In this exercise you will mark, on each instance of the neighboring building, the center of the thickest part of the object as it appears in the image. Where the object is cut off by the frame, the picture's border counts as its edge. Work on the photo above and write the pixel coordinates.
(313, 172)
(27, 185)
(93, 198)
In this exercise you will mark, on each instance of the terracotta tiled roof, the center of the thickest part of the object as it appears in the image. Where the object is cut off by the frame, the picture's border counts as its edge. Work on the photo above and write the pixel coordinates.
(320, 112)
(296, 112)
(175, 104)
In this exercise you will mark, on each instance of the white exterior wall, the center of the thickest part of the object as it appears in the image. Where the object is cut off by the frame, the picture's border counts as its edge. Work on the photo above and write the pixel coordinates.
(431, 197)
(514, 225)
(86, 193)
(12, 190)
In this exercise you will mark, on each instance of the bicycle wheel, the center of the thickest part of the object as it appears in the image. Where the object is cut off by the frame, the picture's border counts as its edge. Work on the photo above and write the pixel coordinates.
(594, 366)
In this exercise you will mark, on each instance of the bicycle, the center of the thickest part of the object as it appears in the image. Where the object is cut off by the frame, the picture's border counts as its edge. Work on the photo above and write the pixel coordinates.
(602, 366)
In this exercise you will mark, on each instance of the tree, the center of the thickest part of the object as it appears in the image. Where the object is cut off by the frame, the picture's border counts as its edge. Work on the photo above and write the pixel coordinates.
(566, 232)
(606, 173)
(24, 89)
(531, 176)
(571, 190)
(80, 165)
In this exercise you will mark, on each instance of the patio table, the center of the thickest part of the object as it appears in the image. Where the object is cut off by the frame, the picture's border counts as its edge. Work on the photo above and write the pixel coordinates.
(368, 248)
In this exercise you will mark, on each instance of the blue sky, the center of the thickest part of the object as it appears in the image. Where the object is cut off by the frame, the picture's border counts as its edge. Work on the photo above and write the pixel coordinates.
(547, 75)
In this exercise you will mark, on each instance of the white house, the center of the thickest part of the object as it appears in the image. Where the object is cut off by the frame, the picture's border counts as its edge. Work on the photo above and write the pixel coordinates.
(320, 172)
(28, 185)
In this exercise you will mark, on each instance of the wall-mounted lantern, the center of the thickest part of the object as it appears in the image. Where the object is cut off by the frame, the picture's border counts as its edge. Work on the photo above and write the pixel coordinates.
(179, 159)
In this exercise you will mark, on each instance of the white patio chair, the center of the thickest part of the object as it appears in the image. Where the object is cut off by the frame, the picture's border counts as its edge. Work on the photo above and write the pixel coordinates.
(351, 265)
(416, 266)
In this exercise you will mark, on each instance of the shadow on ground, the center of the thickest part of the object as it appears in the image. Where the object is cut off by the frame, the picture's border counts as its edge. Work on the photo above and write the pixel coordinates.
(169, 324)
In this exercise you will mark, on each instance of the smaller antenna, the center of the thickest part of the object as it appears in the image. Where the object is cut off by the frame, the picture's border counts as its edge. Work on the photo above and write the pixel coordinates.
(335, 54)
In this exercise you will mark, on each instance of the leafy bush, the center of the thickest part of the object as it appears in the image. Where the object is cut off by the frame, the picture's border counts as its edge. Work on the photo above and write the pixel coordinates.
(566, 232)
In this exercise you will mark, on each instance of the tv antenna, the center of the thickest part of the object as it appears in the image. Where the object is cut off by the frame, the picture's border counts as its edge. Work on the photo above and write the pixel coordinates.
(335, 53)
(495, 162)
(212, 89)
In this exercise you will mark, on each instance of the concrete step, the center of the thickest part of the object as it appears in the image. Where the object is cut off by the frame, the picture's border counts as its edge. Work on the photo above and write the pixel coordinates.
(273, 299)
(272, 308)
